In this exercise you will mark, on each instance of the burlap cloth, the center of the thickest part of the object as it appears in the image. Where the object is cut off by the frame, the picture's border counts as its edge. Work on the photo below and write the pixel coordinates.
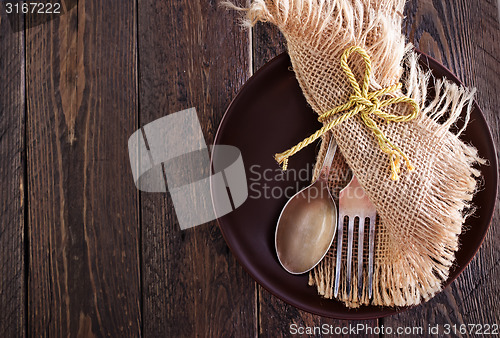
(421, 214)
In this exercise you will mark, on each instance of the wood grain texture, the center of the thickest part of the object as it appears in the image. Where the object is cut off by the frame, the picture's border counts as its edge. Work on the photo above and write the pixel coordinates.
(83, 206)
(267, 43)
(12, 191)
(275, 316)
(192, 54)
(104, 260)
(465, 37)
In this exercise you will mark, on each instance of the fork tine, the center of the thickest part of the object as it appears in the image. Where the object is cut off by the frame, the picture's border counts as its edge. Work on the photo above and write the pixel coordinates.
(371, 244)
(360, 255)
(339, 254)
(350, 241)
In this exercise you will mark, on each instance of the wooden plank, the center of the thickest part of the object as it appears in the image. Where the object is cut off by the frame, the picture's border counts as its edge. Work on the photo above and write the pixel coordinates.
(192, 54)
(83, 206)
(465, 37)
(267, 42)
(275, 316)
(12, 171)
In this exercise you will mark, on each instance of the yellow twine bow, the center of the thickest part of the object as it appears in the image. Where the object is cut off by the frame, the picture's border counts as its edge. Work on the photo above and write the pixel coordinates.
(365, 103)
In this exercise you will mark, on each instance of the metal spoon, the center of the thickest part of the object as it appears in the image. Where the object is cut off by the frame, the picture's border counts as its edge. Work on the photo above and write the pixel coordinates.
(307, 223)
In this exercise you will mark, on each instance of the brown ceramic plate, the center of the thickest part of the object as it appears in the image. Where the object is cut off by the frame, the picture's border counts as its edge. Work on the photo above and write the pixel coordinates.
(268, 116)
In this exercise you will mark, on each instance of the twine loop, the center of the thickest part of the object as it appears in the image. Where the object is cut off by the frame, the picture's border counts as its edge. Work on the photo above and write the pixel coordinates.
(367, 105)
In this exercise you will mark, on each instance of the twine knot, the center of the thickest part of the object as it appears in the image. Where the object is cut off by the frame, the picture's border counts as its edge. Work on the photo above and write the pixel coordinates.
(367, 105)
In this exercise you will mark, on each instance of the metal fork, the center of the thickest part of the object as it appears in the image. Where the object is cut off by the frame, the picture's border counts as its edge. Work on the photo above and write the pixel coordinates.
(353, 202)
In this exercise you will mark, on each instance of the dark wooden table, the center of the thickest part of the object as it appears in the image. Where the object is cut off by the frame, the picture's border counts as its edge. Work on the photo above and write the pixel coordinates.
(83, 253)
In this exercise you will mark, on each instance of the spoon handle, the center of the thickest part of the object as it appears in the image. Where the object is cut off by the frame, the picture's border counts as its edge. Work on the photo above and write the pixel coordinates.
(327, 162)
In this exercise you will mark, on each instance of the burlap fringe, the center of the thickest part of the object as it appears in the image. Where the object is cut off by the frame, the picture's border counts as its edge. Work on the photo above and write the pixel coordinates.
(327, 28)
